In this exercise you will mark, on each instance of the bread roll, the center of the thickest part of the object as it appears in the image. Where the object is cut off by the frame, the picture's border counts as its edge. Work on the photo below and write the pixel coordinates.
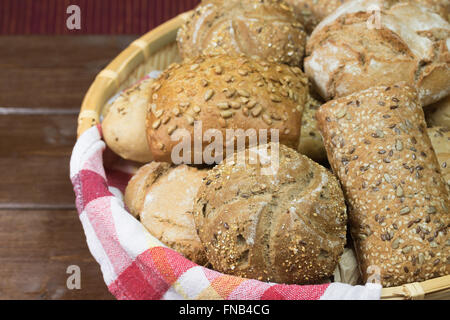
(288, 226)
(163, 197)
(438, 114)
(352, 50)
(311, 143)
(312, 12)
(124, 125)
(440, 139)
(224, 92)
(264, 28)
(378, 146)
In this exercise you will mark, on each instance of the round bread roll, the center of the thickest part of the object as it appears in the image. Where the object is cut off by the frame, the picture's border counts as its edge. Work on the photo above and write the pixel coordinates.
(264, 28)
(352, 50)
(440, 139)
(312, 12)
(124, 125)
(287, 227)
(438, 114)
(220, 93)
(311, 143)
(163, 197)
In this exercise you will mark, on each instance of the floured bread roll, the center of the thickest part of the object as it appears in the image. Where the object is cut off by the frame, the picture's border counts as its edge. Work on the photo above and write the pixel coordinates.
(438, 114)
(356, 48)
(286, 224)
(311, 143)
(312, 12)
(124, 125)
(440, 139)
(163, 197)
(264, 28)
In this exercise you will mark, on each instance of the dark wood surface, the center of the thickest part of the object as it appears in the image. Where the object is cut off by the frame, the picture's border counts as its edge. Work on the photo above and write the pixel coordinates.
(42, 82)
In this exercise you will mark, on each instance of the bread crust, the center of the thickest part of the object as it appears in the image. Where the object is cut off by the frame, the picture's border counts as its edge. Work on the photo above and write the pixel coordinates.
(287, 227)
(124, 125)
(440, 139)
(438, 114)
(264, 28)
(224, 92)
(410, 44)
(378, 146)
(168, 216)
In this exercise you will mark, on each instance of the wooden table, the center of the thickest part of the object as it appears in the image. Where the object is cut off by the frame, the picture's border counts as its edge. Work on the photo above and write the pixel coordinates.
(42, 82)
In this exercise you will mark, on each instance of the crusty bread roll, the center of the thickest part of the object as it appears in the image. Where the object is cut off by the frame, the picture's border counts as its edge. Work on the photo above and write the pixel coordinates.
(378, 146)
(311, 143)
(163, 197)
(224, 92)
(124, 125)
(312, 12)
(288, 226)
(264, 28)
(440, 139)
(438, 114)
(352, 50)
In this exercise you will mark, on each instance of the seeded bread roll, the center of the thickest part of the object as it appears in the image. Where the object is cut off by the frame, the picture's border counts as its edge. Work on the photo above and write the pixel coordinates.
(124, 125)
(378, 146)
(440, 139)
(224, 92)
(163, 197)
(438, 114)
(286, 225)
(311, 143)
(264, 28)
(352, 50)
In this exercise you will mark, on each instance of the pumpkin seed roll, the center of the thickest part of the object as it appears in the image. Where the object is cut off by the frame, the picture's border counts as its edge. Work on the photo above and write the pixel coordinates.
(377, 144)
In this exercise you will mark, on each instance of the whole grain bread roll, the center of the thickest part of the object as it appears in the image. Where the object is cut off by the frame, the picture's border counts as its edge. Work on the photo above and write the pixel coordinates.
(312, 12)
(440, 139)
(311, 143)
(264, 28)
(438, 114)
(286, 224)
(378, 146)
(220, 93)
(124, 125)
(163, 197)
(356, 48)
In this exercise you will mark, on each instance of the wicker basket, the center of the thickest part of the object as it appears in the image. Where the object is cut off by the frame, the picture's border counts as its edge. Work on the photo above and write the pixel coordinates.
(155, 51)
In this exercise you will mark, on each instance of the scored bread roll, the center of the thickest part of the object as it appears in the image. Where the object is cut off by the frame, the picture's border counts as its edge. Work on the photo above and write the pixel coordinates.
(378, 146)
(312, 12)
(286, 225)
(438, 114)
(124, 125)
(163, 197)
(356, 48)
(440, 139)
(224, 92)
(264, 28)
(311, 143)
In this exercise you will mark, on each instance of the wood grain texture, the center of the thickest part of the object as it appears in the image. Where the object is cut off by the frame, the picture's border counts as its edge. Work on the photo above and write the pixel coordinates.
(53, 71)
(36, 249)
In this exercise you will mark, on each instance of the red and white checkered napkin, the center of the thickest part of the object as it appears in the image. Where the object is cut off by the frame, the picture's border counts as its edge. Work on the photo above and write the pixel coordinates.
(136, 265)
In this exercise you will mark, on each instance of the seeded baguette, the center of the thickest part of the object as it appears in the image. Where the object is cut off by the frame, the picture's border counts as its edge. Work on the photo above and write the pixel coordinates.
(264, 28)
(124, 125)
(410, 44)
(377, 144)
(440, 139)
(286, 227)
(224, 92)
(311, 143)
(163, 197)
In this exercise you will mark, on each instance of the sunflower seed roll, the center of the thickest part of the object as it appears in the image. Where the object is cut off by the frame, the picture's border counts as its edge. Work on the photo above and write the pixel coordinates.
(377, 144)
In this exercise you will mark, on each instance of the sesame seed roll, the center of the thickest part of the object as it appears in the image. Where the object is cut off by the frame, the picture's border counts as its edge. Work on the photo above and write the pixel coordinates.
(377, 144)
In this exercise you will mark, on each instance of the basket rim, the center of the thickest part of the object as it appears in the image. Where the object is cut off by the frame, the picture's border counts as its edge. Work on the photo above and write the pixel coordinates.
(108, 81)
